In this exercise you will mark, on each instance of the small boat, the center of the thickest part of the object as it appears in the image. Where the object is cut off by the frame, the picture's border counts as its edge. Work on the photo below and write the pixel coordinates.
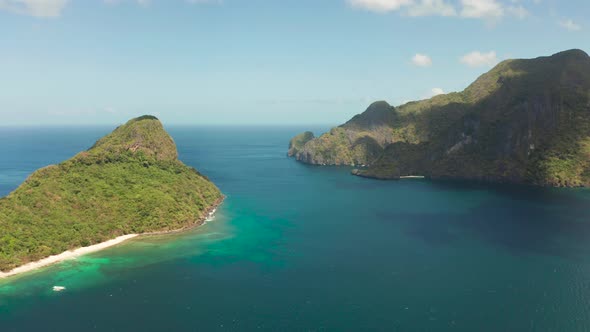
(58, 288)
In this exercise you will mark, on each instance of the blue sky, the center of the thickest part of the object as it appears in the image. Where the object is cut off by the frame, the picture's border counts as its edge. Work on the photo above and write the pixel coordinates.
(259, 61)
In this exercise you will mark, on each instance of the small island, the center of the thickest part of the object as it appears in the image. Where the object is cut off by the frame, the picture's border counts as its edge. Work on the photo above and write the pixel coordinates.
(130, 182)
(526, 121)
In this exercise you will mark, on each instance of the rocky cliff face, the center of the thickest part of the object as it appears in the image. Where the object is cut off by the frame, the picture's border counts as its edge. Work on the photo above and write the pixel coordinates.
(298, 142)
(358, 142)
(525, 121)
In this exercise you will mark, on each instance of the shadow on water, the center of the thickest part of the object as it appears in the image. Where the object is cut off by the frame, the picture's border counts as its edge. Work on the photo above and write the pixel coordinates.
(520, 219)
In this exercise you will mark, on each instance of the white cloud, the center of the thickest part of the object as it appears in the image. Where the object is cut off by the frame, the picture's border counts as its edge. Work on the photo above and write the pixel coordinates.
(433, 92)
(437, 91)
(432, 8)
(518, 11)
(422, 60)
(489, 9)
(478, 59)
(139, 2)
(414, 7)
(570, 25)
(204, 1)
(148, 2)
(36, 8)
(380, 6)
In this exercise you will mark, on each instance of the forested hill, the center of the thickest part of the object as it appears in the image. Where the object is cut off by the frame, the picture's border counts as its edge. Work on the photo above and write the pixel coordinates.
(525, 121)
(129, 182)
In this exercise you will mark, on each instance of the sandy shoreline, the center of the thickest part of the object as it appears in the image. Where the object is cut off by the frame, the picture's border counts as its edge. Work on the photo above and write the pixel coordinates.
(73, 254)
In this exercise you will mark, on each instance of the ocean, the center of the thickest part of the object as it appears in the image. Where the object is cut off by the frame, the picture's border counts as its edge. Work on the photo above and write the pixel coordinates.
(303, 248)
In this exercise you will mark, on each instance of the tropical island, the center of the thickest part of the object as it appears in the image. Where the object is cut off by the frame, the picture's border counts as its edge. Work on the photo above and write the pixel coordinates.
(130, 182)
(525, 121)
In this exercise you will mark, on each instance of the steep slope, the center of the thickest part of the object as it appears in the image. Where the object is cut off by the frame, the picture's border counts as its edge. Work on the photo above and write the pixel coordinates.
(358, 142)
(525, 121)
(298, 142)
(130, 181)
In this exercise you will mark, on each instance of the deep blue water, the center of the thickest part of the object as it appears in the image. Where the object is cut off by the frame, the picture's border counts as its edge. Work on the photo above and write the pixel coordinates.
(302, 248)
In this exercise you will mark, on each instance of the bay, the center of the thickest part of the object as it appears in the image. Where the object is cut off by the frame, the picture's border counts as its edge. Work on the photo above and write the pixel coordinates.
(303, 248)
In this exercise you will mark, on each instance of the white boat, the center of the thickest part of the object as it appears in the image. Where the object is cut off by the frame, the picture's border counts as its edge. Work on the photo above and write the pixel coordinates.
(58, 288)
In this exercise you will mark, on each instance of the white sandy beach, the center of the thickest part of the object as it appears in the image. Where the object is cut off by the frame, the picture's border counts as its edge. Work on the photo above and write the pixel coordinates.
(72, 254)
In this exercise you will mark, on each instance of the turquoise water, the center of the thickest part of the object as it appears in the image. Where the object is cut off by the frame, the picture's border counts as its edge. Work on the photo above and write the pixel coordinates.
(301, 248)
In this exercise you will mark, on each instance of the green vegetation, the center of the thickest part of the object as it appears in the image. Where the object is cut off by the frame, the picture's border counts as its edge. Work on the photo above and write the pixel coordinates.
(525, 121)
(299, 141)
(129, 182)
(144, 134)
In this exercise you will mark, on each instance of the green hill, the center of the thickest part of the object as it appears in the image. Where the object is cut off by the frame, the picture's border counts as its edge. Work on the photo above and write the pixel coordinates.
(129, 182)
(525, 121)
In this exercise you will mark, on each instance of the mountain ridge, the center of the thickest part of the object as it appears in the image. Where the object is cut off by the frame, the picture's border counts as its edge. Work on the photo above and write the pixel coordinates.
(524, 121)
